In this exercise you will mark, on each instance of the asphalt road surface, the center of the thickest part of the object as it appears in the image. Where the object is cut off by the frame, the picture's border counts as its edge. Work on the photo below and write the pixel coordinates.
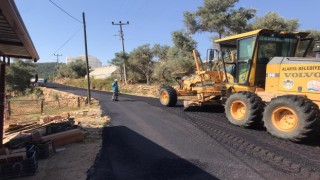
(148, 141)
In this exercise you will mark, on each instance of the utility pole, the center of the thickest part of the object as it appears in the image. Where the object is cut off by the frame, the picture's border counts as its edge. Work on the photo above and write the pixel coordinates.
(123, 51)
(57, 57)
(87, 62)
(57, 66)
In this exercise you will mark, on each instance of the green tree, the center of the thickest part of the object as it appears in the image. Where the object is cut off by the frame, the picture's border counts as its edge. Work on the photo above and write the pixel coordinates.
(46, 70)
(79, 68)
(178, 59)
(218, 16)
(160, 52)
(183, 42)
(64, 71)
(160, 57)
(119, 59)
(181, 60)
(275, 22)
(141, 59)
(18, 75)
(75, 69)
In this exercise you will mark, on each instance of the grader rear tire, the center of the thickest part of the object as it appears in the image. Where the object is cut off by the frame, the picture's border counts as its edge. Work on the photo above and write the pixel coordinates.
(168, 96)
(291, 117)
(244, 109)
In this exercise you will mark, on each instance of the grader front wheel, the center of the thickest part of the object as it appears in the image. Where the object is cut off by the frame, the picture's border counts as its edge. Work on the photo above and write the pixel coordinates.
(292, 117)
(168, 96)
(238, 110)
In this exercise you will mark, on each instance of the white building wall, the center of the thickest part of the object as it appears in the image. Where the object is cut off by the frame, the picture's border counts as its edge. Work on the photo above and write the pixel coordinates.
(103, 72)
(93, 61)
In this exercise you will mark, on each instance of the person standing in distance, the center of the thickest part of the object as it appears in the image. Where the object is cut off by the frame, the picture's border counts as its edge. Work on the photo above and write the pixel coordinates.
(115, 89)
(35, 80)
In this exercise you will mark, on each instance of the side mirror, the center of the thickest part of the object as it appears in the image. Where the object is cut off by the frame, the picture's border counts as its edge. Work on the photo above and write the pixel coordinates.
(210, 54)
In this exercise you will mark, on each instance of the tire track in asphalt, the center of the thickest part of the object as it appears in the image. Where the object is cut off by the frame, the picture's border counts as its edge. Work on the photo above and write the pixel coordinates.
(247, 146)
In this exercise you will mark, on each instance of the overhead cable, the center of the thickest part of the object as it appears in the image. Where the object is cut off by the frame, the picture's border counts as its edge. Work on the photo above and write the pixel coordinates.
(65, 43)
(65, 11)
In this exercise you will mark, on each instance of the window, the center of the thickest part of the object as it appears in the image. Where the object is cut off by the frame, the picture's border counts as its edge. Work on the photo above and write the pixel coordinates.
(303, 47)
(270, 47)
(246, 48)
(229, 54)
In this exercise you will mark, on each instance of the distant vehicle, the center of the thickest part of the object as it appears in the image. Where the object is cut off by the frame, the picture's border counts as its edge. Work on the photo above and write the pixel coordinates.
(40, 80)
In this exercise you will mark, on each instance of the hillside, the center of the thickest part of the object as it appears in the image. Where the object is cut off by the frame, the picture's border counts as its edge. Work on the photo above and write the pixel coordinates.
(46, 70)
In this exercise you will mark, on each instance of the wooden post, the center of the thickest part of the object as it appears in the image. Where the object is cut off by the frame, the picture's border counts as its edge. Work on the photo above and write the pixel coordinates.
(42, 105)
(9, 108)
(2, 99)
(78, 102)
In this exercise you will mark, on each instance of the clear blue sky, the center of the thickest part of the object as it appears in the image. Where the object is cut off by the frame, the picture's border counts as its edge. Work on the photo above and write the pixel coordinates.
(151, 21)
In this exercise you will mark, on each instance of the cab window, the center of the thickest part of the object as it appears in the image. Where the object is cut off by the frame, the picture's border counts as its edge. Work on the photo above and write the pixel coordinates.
(270, 47)
(303, 47)
(245, 54)
(229, 54)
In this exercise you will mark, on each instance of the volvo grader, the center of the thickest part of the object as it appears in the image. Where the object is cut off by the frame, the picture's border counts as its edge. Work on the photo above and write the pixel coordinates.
(260, 77)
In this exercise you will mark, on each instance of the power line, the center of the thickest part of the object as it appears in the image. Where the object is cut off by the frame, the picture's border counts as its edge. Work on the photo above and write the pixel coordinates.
(65, 11)
(65, 43)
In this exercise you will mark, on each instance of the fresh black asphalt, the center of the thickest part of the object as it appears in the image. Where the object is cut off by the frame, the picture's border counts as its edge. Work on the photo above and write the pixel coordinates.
(145, 141)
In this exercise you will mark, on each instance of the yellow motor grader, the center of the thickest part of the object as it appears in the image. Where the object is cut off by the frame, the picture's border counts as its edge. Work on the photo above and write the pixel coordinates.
(262, 76)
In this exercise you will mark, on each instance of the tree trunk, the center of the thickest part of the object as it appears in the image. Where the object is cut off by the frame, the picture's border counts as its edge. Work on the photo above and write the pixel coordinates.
(148, 79)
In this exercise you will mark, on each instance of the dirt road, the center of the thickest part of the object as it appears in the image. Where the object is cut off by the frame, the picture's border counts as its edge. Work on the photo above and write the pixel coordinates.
(147, 141)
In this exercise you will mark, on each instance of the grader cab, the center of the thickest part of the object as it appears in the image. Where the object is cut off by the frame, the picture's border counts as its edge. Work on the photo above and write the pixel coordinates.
(261, 77)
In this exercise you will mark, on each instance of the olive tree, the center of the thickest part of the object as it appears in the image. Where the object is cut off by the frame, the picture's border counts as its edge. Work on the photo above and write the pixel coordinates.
(218, 16)
(141, 58)
(19, 73)
(275, 22)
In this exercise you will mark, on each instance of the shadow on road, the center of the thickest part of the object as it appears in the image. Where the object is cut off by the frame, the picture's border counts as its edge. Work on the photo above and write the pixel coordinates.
(127, 155)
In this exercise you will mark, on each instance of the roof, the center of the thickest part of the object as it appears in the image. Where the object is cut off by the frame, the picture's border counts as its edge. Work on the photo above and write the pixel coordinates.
(256, 32)
(103, 72)
(250, 33)
(14, 37)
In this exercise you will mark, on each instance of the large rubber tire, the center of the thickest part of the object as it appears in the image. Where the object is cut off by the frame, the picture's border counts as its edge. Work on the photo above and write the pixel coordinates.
(244, 109)
(168, 96)
(291, 117)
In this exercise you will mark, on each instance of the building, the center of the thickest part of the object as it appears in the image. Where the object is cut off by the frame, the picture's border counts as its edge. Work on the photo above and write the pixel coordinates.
(93, 61)
(106, 72)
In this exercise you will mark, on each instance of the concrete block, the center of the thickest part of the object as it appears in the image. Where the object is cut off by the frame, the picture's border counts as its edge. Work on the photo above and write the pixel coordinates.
(12, 158)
